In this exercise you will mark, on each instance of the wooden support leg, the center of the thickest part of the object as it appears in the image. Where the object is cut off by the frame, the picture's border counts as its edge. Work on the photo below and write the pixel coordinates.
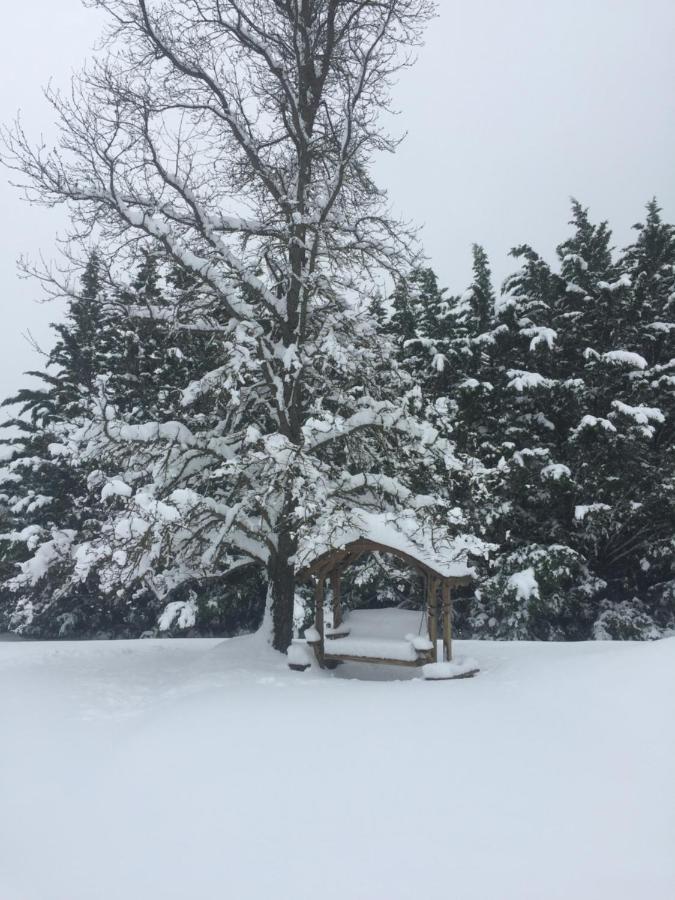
(337, 599)
(447, 622)
(432, 615)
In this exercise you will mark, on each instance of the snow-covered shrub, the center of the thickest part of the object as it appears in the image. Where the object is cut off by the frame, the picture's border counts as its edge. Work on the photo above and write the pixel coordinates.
(661, 602)
(635, 619)
(625, 621)
(536, 593)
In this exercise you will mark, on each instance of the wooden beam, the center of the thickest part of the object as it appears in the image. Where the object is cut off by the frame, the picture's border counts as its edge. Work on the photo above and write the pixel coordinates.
(348, 561)
(411, 663)
(325, 565)
(365, 546)
(447, 622)
(432, 614)
(335, 583)
(318, 619)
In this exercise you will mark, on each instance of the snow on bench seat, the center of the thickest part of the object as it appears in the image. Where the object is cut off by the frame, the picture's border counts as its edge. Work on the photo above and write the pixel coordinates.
(377, 635)
(372, 648)
(385, 623)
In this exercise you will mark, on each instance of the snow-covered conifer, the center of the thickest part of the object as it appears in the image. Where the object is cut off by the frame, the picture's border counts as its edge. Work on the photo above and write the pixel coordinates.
(586, 420)
(45, 496)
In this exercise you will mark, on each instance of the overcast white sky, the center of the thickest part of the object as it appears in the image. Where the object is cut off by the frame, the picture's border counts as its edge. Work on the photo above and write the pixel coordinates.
(514, 106)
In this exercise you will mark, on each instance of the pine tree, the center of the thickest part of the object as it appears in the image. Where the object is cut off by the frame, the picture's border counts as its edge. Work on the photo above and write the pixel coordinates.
(481, 295)
(47, 497)
(124, 350)
(472, 336)
(559, 393)
(579, 475)
(417, 306)
(646, 549)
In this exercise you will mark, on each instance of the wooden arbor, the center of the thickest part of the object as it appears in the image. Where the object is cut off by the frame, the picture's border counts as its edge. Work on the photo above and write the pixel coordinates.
(332, 645)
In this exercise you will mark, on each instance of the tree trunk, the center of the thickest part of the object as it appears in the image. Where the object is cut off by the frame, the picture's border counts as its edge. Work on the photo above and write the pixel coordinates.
(282, 584)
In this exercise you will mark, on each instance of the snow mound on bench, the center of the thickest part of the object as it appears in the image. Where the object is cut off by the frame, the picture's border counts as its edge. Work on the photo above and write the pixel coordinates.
(371, 648)
(299, 654)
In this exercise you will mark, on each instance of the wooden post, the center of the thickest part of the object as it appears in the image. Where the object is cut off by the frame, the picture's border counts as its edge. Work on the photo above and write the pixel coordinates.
(318, 617)
(432, 614)
(337, 599)
(447, 622)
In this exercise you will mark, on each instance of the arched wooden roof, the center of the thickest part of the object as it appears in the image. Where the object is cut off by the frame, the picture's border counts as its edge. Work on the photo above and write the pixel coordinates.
(341, 538)
(337, 559)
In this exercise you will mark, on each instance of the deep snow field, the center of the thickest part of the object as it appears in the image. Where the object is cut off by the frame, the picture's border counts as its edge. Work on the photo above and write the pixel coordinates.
(202, 769)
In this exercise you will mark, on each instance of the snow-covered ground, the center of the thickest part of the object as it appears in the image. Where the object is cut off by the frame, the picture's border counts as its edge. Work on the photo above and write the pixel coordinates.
(196, 770)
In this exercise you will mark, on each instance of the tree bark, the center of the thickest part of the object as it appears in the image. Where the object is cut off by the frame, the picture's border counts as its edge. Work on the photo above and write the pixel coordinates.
(282, 583)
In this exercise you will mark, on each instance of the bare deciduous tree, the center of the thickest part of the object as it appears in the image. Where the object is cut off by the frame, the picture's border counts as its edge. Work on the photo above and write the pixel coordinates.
(236, 136)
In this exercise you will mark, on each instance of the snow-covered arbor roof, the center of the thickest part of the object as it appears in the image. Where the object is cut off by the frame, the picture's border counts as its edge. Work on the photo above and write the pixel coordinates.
(339, 543)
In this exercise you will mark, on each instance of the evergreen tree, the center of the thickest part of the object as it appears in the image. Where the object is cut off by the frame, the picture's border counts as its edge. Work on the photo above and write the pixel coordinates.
(418, 307)
(48, 498)
(560, 394)
(129, 351)
(580, 474)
